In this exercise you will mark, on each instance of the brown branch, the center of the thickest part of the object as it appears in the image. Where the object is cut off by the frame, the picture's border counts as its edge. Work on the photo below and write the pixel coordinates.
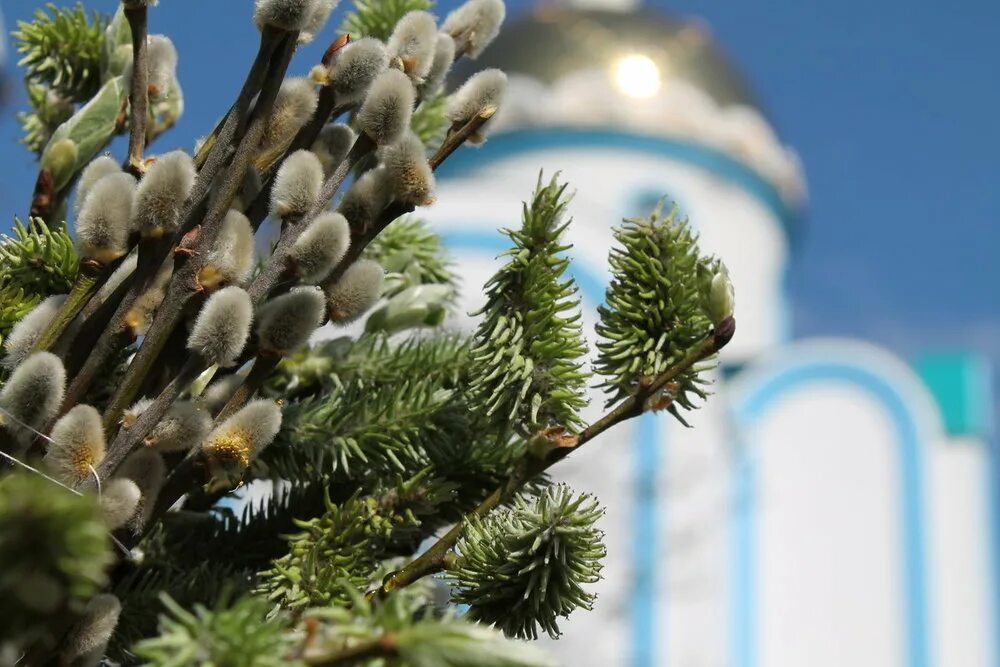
(139, 96)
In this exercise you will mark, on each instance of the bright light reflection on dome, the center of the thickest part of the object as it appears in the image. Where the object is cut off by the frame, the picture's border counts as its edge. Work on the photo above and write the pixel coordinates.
(637, 75)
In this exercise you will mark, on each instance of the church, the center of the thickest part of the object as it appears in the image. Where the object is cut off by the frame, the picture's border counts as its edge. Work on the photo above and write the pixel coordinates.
(833, 503)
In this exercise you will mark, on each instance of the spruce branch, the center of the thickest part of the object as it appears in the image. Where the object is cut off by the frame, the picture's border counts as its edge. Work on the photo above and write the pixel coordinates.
(433, 559)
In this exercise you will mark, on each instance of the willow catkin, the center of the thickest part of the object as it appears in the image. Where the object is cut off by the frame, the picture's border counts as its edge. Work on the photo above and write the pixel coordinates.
(387, 109)
(231, 259)
(222, 326)
(22, 338)
(483, 90)
(97, 169)
(408, 171)
(320, 247)
(355, 292)
(233, 444)
(297, 185)
(413, 41)
(285, 323)
(103, 223)
(76, 445)
(32, 395)
(353, 69)
(160, 196)
(475, 24)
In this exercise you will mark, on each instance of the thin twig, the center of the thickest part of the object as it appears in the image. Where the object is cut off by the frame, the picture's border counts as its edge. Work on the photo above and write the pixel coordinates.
(139, 96)
(530, 466)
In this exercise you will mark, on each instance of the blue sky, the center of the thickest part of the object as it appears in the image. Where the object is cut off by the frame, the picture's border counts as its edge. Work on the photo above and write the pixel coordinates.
(893, 106)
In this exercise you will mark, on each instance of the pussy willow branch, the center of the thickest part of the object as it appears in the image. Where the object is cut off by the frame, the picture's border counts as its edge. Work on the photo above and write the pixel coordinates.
(184, 285)
(154, 254)
(87, 282)
(530, 466)
(136, 14)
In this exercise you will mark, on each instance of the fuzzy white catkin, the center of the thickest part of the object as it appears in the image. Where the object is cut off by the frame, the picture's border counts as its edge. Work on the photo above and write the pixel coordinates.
(146, 468)
(444, 58)
(388, 107)
(159, 198)
(475, 24)
(366, 198)
(296, 185)
(332, 146)
(413, 41)
(93, 172)
(89, 638)
(182, 427)
(318, 17)
(32, 394)
(239, 439)
(285, 323)
(219, 392)
(120, 499)
(22, 338)
(356, 291)
(320, 247)
(76, 446)
(103, 223)
(355, 67)
(293, 107)
(483, 89)
(222, 326)
(232, 256)
(162, 65)
(407, 169)
(291, 15)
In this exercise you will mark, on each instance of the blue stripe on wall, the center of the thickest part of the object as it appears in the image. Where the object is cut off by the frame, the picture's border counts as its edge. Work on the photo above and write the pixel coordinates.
(750, 410)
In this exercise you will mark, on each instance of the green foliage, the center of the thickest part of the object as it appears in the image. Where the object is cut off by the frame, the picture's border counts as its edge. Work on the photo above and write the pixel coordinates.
(412, 254)
(656, 307)
(395, 632)
(430, 120)
(36, 262)
(377, 18)
(523, 567)
(237, 634)
(53, 553)
(346, 543)
(62, 49)
(527, 358)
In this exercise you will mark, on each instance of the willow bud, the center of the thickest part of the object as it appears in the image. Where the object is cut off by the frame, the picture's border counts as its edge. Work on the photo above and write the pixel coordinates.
(293, 107)
(146, 468)
(320, 247)
(290, 15)
(93, 172)
(356, 291)
(22, 338)
(318, 17)
(232, 256)
(285, 323)
(88, 640)
(297, 185)
(222, 327)
(366, 198)
(388, 107)
(120, 499)
(32, 395)
(76, 446)
(408, 170)
(158, 201)
(103, 223)
(475, 24)
(444, 58)
(354, 68)
(231, 447)
(484, 90)
(413, 41)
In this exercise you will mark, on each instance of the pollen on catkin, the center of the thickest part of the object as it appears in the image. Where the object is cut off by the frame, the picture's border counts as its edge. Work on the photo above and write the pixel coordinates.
(103, 223)
(119, 501)
(76, 446)
(356, 291)
(232, 256)
(22, 338)
(483, 90)
(293, 107)
(408, 171)
(413, 41)
(354, 68)
(290, 15)
(366, 198)
(32, 395)
(320, 247)
(285, 322)
(388, 107)
(296, 185)
(475, 24)
(222, 326)
(317, 19)
(444, 58)
(93, 172)
(146, 468)
(159, 198)
(233, 444)
(88, 640)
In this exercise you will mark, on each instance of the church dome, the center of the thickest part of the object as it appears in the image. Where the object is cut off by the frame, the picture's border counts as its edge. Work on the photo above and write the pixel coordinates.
(642, 72)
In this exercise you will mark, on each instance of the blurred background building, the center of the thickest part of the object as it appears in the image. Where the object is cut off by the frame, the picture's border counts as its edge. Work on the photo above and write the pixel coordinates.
(833, 504)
